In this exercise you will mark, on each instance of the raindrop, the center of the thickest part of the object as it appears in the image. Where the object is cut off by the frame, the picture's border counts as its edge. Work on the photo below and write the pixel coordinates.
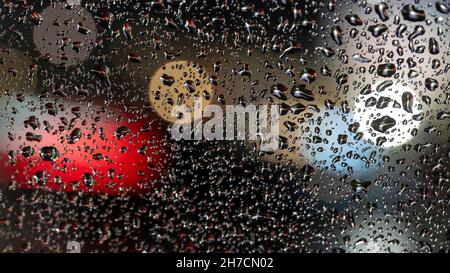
(411, 13)
(386, 70)
(383, 124)
(121, 132)
(301, 92)
(88, 180)
(337, 34)
(49, 153)
(407, 101)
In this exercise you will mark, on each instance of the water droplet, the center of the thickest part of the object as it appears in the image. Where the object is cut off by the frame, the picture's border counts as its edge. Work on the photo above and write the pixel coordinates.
(74, 136)
(49, 153)
(433, 46)
(337, 34)
(382, 10)
(121, 132)
(407, 101)
(301, 92)
(279, 91)
(383, 124)
(354, 20)
(431, 84)
(309, 75)
(386, 70)
(88, 179)
(442, 7)
(360, 186)
(378, 29)
(27, 151)
(411, 13)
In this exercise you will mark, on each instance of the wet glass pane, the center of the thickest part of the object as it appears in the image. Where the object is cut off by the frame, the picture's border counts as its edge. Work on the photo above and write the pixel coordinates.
(224, 126)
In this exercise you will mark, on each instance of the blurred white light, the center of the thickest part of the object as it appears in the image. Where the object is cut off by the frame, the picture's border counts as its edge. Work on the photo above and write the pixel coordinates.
(398, 134)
